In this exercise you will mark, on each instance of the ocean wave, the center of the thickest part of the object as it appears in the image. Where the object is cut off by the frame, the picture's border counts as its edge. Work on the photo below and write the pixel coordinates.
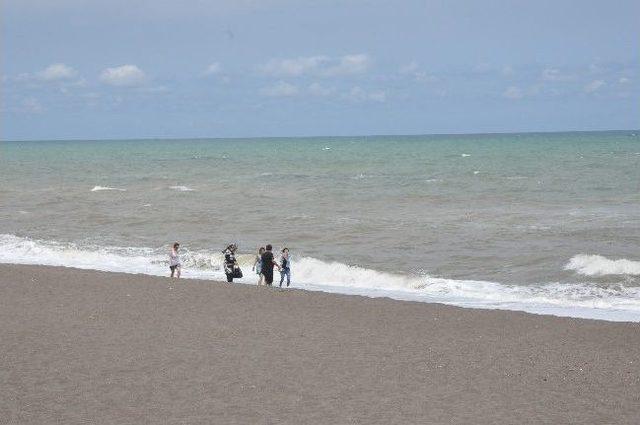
(589, 300)
(597, 265)
(101, 188)
(182, 188)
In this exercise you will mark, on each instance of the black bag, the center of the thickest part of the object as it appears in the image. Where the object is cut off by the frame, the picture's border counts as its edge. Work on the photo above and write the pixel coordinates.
(237, 273)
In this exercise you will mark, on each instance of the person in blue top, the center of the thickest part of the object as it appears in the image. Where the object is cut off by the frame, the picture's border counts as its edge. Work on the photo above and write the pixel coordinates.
(285, 267)
(257, 266)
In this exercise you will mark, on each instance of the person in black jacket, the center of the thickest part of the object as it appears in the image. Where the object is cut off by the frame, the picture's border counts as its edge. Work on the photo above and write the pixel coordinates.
(231, 268)
(267, 265)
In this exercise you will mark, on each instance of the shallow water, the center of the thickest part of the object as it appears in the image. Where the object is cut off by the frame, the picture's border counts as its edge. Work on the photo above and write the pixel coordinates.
(517, 219)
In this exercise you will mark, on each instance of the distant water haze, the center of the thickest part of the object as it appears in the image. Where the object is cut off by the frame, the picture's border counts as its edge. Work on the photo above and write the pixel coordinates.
(502, 221)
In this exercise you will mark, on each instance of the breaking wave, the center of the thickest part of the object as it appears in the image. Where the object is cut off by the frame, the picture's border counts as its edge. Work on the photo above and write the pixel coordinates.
(101, 188)
(588, 300)
(181, 188)
(597, 265)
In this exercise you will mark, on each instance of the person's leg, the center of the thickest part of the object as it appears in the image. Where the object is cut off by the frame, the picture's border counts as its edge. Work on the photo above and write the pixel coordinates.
(282, 273)
(173, 270)
(178, 272)
(230, 278)
(288, 277)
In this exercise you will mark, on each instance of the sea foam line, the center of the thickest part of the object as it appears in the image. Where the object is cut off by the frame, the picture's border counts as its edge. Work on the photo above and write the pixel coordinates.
(587, 300)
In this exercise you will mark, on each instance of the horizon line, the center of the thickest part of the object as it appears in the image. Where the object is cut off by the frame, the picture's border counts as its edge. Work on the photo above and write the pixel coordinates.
(161, 138)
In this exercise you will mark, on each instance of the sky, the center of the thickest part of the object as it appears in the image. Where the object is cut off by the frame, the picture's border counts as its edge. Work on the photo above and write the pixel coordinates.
(79, 69)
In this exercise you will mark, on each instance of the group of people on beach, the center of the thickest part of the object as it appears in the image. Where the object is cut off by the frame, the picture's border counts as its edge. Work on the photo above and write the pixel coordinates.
(263, 265)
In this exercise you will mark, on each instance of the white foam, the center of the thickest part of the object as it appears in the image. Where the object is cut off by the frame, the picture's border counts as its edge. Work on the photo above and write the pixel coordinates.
(181, 188)
(17, 250)
(597, 265)
(101, 188)
(465, 155)
(587, 300)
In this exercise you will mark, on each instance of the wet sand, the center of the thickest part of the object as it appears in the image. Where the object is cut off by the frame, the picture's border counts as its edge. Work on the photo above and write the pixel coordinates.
(91, 347)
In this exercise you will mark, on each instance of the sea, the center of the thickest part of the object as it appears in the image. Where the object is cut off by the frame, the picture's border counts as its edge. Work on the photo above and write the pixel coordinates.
(546, 223)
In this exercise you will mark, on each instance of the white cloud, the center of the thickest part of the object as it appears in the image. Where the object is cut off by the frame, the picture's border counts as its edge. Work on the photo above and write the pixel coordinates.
(57, 72)
(23, 77)
(31, 105)
(554, 74)
(409, 68)
(507, 71)
(358, 94)
(280, 89)
(213, 69)
(482, 68)
(350, 64)
(316, 89)
(378, 95)
(423, 77)
(623, 80)
(412, 69)
(596, 68)
(593, 86)
(513, 92)
(123, 76)
(323, 66)
(294, 67)
(154, 89)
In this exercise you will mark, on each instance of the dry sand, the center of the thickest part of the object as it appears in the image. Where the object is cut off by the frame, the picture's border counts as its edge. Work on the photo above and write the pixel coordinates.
(91, 347)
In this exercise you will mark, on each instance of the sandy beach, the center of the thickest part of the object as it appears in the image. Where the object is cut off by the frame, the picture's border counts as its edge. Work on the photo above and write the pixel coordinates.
(92, 347)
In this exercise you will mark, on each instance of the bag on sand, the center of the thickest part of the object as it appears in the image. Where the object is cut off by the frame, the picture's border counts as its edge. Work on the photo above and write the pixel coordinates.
(237, 273)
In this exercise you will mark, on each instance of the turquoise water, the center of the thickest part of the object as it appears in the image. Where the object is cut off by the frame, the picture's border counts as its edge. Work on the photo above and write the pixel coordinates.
(555, 214)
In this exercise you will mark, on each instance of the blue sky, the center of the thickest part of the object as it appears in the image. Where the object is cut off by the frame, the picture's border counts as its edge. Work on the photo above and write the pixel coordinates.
(195, 68)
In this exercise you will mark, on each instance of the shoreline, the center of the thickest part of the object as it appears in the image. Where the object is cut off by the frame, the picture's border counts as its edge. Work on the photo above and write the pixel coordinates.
(83, 345)
(474, 294)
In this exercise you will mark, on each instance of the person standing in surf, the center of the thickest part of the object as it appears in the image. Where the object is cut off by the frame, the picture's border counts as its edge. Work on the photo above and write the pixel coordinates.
(285, 267)
(257, 266)
(268, 263)
(231, 267)
(174, 261)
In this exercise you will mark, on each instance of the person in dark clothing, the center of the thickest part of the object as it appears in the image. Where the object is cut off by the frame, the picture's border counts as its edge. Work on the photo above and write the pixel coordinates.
(285, 267)
(267, 265)
(231, 268)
